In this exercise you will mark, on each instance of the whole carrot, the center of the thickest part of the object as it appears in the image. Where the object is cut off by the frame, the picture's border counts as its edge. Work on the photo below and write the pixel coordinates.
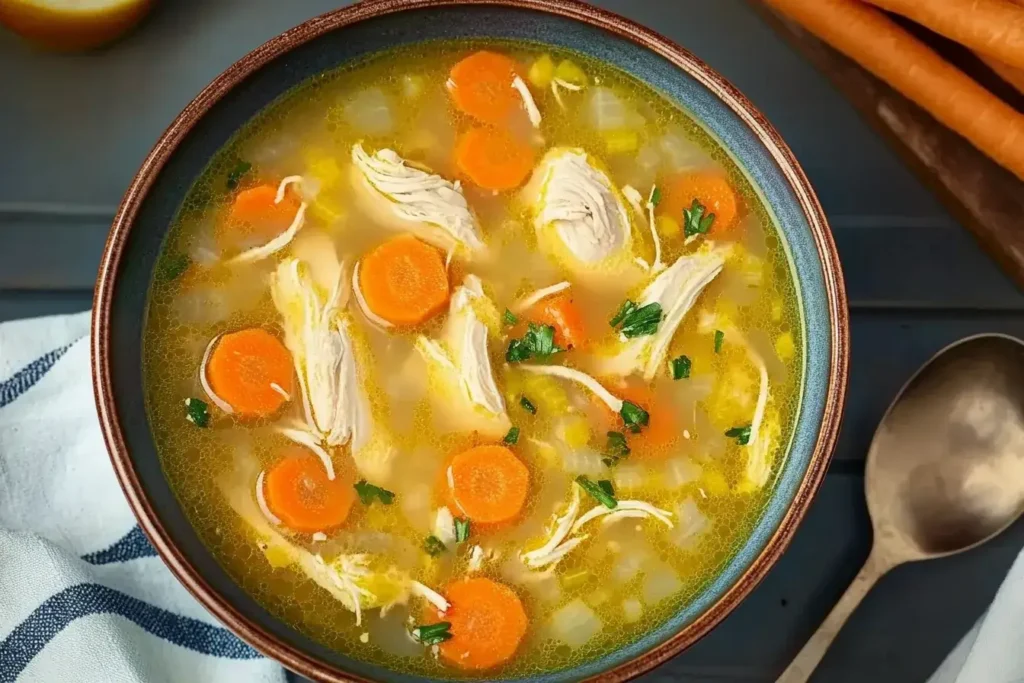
(992, 27)
(866, 35)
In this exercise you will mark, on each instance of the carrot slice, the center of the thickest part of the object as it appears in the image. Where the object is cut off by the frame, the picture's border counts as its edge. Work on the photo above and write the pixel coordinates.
(560, 312)
(488, 484)
(254, 212)
(493, 159)
(481, 86)
(487, 623)
(710, 189)
(299, 493)
(662, 431)
(404, 281)
(244, 368)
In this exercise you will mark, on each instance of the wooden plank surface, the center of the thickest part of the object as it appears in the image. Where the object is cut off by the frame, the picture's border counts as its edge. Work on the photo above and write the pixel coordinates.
(74, 129)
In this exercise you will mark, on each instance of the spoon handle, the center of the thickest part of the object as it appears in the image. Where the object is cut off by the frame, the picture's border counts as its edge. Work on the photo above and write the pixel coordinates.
(801, 668)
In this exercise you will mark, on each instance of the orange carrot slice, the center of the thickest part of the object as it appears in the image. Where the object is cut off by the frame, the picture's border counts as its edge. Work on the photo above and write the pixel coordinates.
(244, 368)
(662, 431)
(254, 212)
(710, 189)
(299, 493)
(493, 159)
(481, 86)
(488, 484)
(560, 312)
(404, 281)
(487, 623)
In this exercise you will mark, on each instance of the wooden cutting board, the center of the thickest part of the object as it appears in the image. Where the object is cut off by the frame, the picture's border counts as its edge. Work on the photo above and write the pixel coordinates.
(983, 196)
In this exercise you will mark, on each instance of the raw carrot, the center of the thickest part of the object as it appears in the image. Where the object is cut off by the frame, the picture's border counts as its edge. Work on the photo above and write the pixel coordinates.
(992, 27)
(481, 86)
(493, 159)
(404, 281)
(877, 43)
(560, 312)
(244, 368)
(662, 430)
(299, 493)
(1011, 75)
(710, 189)
(488, 484)
(254, 212)
(487, 623)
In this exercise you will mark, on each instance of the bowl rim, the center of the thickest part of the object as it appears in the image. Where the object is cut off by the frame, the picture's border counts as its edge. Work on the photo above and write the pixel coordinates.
(835, 294)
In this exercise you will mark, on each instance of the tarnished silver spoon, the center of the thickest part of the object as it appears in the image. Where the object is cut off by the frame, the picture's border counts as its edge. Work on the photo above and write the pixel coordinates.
(945, 471)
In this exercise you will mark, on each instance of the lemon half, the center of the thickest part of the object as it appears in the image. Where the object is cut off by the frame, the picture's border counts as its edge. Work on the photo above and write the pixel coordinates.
(72, 24)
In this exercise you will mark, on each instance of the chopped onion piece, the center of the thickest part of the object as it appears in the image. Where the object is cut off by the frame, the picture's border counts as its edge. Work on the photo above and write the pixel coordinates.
(639, 505)
(575, 624)
(430, 595)
(304, 438)
(363, 306)
(692, 523)
(217, 400)
(531, 106)
(531, 299)
(660, 583)
(261, 500)
(580, 378)
(632, 610)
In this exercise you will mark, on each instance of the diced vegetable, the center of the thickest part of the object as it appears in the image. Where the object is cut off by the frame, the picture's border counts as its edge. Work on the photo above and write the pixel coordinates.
(493, 159)
(621, 141)
(245, 367)
(714, 482)
(412, 86)
(369, 112)
(487, 624)
(575, 624)
(680, 471)
(632, 610)
(605, 110)
(785, 346)
(570, 72)
(692, 523)
(299, 492)
(404, 281)
(583, 460)
(542, 71)
(368, 492)
(668, 228)
(197, 412)
(488, 484)
(660, 583)
(480, 85)
(575, 431)
(629, 564)
(629, 477)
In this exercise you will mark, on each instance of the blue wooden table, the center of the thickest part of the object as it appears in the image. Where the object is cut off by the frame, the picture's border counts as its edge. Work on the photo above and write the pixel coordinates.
(73, 130)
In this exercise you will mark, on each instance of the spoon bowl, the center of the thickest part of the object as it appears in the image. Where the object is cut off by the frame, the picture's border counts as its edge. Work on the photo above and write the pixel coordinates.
(945, 470)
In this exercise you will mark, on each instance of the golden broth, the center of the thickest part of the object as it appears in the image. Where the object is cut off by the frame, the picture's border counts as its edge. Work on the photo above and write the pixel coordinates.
(623, 565)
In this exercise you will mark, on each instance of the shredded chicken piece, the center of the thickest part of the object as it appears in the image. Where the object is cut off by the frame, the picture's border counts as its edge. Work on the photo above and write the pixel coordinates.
(549, 553)
(361, 301)
(261, 500)
(431, 596)
(639, 506)
(528, 103)
(579, 377)
(528, 301)
(310, 441)
(205, 383)
(284, 239)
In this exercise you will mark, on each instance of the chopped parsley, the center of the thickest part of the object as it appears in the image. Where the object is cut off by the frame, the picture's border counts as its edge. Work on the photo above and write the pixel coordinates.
(537, 343)
(461, 530)
(694, 220)
(512, 438)
(681, 367)
(633, 321)
(174, 266)
(615, 449)
(602, 491)
(434, 546)
(741, 434)
(634, 416)
(655, 196)
(197, 412)
(510, 317)
(527, 406)
(236, 173)
(719, 340)
(367, 492)
(433, 634)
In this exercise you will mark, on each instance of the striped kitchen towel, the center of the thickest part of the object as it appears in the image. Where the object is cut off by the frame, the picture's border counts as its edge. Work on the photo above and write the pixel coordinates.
(83, 596)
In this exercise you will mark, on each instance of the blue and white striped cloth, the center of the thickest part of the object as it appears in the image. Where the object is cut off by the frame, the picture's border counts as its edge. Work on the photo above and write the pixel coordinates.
(83, 595)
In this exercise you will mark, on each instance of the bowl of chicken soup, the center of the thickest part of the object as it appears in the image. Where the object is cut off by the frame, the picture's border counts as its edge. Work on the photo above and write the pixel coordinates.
(487, 340)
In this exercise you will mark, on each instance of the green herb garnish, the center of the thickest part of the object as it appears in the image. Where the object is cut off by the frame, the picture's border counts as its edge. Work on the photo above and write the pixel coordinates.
(197, 412)
(434, 546)
(527, 406)
(719, 340)
(694, 220)
(510, 317)
(601, 492)
(616, 448)
(655, 196)
(461, 530)
(235, 176)
(681, 367)
(512, 438)
(367, 492)
(634, 416)
(175, 265)
(537, 343)
(741, 434)
(638, 322)
(432, 634)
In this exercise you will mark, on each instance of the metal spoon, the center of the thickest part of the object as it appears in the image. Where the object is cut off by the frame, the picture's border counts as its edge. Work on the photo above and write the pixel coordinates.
(945, 471)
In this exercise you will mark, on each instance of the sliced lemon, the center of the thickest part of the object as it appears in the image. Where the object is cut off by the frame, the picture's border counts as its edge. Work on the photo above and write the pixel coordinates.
(72, 24)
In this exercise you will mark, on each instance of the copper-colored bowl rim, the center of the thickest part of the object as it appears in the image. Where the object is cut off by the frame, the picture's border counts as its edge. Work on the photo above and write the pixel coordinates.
(780, 153)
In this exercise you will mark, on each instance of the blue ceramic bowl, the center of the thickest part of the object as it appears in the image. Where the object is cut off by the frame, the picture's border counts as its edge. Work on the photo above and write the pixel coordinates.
(333, 39)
